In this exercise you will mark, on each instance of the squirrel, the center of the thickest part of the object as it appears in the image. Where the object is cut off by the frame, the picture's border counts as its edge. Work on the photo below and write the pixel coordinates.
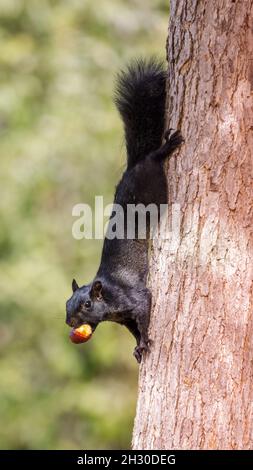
(119, 292)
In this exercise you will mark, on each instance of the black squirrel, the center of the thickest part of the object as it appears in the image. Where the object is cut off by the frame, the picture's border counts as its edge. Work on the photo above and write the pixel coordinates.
(119, 293)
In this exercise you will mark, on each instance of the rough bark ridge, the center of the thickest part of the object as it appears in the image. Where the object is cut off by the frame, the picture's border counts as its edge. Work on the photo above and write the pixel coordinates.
(196, 387)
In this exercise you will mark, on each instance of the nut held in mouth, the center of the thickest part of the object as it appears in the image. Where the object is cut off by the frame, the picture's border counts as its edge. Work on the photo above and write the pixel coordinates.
(81, 334)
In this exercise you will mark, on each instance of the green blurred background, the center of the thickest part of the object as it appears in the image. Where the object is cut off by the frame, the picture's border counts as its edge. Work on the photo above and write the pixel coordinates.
(61, 143)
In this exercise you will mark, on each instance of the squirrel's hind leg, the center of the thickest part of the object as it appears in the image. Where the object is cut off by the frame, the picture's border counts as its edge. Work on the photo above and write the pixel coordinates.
(172, 142)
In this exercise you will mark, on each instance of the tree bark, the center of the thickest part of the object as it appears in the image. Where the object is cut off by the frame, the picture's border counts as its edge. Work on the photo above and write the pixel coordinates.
(196, 385)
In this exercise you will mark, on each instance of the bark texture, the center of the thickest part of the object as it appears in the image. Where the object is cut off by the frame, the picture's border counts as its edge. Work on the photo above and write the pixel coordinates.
(196, 386)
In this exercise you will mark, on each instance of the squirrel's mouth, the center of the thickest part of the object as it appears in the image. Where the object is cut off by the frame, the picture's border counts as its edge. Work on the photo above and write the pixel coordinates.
(93, 326)
(76, 322)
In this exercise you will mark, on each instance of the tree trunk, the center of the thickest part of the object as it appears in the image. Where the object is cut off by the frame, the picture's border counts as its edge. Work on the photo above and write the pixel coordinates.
(196, 386)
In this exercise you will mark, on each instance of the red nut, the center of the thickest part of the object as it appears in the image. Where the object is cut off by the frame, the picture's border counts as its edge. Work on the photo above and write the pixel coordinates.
(81, 334)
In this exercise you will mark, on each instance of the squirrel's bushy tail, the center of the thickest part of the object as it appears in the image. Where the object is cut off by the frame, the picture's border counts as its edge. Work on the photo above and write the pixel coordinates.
(140, 99)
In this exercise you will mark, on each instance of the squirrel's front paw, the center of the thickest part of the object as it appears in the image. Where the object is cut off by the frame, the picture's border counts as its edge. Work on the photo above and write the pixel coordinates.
(137, 354)
(142, 347)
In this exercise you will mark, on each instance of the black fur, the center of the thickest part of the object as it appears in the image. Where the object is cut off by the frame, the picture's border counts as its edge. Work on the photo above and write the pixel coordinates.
(140, 99)
(118, 292)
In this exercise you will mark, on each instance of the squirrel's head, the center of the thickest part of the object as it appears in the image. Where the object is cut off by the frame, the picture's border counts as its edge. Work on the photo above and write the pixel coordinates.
(86, 305)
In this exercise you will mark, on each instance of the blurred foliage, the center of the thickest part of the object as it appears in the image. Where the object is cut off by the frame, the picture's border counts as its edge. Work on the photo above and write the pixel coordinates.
(62, 143)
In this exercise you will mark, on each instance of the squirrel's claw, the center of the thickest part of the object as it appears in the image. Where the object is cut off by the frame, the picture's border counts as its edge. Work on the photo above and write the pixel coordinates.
(142, 347)
(137, 354)
(167, 133)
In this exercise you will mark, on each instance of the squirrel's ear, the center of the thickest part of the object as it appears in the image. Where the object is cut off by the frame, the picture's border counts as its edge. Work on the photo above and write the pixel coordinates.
(74, 285)
(96, 290)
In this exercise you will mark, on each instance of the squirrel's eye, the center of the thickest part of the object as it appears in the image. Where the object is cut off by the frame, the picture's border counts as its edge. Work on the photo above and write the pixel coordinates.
(87, 304)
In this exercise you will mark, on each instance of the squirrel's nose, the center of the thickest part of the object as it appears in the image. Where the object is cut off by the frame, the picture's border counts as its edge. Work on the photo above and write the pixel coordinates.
(70, 321)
